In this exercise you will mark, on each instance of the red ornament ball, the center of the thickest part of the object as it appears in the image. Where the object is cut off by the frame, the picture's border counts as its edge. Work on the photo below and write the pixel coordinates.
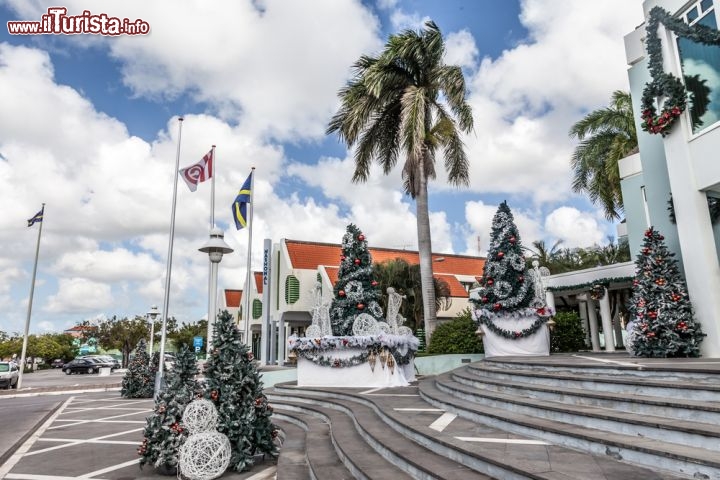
(497, 306)
(360, 306)
(513, 240)
(341, 293)
(501, 254)
(484, 299)
(490, 281)
(357, 261)
(521, 279)
(361, 237)
(374, 283)
(342, 257)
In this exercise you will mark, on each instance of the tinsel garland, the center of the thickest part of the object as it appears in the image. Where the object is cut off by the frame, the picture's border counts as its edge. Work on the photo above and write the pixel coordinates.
(402, 348)
(666, 84)
(605, 282)
(487, 317)
(329, 361)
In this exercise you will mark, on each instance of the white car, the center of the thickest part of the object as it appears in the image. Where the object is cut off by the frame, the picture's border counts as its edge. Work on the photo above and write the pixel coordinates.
(9, 374)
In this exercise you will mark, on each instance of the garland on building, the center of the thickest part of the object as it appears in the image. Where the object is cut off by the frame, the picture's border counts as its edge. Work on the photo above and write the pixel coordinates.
(603, 282)
(663, 83)
(329, 361)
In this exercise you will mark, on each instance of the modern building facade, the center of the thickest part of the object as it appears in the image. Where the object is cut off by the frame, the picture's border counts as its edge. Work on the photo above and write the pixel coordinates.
(684, 164)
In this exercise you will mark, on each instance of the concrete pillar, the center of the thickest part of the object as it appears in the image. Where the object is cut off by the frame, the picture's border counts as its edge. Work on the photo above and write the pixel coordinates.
(550, 299)
(617, 326)
(593, 323)
(695, 232)
(606, 317)
(582, 307)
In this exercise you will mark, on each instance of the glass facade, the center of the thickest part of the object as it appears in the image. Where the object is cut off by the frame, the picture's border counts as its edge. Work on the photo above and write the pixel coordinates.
(701, 68)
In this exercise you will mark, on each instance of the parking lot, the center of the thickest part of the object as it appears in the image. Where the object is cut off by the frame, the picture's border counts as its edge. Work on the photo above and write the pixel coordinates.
(94, 436)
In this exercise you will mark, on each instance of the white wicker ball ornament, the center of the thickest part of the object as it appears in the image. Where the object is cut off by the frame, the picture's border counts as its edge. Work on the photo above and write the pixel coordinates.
(204, 456)
(200, 416)
(404, 330)
(365, 325)
(313, 331)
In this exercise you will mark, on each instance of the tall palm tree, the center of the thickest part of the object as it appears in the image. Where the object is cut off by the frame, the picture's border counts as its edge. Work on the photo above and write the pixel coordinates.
(407, 103)
(606, 136)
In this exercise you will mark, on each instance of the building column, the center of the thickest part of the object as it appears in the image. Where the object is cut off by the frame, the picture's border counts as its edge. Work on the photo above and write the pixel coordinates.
(617, 325)
(550, 299)
(606, 317)
(695, 232)
(592, 322)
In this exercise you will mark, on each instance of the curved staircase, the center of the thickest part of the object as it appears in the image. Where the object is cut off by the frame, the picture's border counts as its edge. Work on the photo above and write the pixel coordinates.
(559, 417)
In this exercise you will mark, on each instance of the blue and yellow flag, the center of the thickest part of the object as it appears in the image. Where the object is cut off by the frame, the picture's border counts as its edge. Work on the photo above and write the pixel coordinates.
(37, 218)
(239, 206)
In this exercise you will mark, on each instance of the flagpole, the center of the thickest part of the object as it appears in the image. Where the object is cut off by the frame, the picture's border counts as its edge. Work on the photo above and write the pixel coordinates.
(248, 341)
(166, 300)
(30, 302)
(212, 190)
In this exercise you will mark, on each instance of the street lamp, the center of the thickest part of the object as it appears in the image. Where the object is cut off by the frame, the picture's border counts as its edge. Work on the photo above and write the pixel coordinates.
(152, 315)
(215, 248)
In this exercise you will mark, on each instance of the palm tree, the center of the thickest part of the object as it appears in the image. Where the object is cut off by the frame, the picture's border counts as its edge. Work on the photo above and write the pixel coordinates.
(606, 136)
(391, 108)
(544, 255)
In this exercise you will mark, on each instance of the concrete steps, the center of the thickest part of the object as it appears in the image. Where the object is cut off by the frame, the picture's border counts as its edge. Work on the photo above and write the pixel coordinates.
(646, 416)
(408, 438)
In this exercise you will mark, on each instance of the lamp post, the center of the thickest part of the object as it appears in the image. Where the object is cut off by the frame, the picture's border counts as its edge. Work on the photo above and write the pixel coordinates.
(152, 315)
(215, 248)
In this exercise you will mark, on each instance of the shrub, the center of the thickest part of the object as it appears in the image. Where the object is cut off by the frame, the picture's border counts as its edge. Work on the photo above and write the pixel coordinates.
(568, 335)
(456, 336)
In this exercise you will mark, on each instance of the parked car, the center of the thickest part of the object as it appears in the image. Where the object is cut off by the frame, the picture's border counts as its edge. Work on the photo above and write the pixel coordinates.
(103, 361)
(81, 365)
(57, 363)
(9, 374)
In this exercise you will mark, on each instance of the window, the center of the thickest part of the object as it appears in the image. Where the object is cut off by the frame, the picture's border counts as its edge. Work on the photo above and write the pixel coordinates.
(292, 289)
(256, 309)
(701, 68)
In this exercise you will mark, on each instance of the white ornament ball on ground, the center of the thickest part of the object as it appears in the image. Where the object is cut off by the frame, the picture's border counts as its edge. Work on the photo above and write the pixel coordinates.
(204, 456)
(200, 416)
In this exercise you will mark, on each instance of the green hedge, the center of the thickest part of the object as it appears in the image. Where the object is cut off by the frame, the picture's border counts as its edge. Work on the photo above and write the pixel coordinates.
(456, 336)
(568, 335)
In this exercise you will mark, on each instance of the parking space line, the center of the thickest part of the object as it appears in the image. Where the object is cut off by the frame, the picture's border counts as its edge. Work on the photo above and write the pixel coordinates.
(77, 421)
(30, 476)
(15, 458)
(110, 469)
(99, 420)
(79, 442)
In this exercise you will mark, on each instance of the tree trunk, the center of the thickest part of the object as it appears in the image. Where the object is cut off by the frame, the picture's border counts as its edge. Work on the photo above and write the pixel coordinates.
(425, 253)
(126, 354)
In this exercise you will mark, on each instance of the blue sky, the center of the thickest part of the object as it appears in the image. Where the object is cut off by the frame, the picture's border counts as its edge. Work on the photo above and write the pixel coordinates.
(89, 125)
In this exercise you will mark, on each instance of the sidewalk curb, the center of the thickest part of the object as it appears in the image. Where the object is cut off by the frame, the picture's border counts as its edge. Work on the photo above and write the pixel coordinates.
(14, 447)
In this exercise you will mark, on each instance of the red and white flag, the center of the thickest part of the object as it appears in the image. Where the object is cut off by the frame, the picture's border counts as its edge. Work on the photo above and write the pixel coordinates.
(199, 172)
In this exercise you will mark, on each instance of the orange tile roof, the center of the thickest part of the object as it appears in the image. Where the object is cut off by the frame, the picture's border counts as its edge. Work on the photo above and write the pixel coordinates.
(258, 282)
(233, 298)
(308, 255)
(456, 288)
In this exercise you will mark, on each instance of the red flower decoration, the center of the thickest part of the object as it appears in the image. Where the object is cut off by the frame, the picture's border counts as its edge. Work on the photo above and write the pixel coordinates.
(361, 237)
(374, 283)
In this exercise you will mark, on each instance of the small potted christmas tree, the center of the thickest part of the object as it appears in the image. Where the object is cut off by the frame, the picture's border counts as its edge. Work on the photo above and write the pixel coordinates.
(139, 380)
(164, 432)
(233, 384)
(511, 310)
(663, 324)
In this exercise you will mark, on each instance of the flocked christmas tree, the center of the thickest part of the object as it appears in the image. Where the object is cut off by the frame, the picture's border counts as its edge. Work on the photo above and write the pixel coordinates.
(233, 383)
(164, 432)
(356, 291)
(507, 288)
(663, 324)
(139, 380)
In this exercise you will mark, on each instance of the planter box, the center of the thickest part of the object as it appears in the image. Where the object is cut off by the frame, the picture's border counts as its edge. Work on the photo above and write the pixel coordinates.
(537, 344)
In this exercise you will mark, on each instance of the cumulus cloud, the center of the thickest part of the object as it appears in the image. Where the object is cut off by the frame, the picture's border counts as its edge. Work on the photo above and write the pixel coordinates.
(460, 49)
(79, 295)
(573, 227)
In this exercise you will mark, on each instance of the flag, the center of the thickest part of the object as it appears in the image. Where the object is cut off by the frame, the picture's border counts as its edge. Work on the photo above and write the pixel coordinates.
(239, 206)
(199, 172)
(37, 218)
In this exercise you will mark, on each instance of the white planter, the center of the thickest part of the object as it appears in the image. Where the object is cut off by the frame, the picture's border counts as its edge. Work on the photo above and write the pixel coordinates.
(310, 374)
(537, 344)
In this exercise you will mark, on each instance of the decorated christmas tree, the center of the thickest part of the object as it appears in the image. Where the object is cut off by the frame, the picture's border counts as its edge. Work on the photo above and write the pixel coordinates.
(139, 380)
(356, 291)
(233, 383)
(507, 288)
(164, 432)
(663, 324)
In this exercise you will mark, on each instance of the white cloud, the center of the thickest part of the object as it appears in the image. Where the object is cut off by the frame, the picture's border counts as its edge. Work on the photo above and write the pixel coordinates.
(479, 217)
(402, 20)
(460, 49)
(574, 228)
(78, 295)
